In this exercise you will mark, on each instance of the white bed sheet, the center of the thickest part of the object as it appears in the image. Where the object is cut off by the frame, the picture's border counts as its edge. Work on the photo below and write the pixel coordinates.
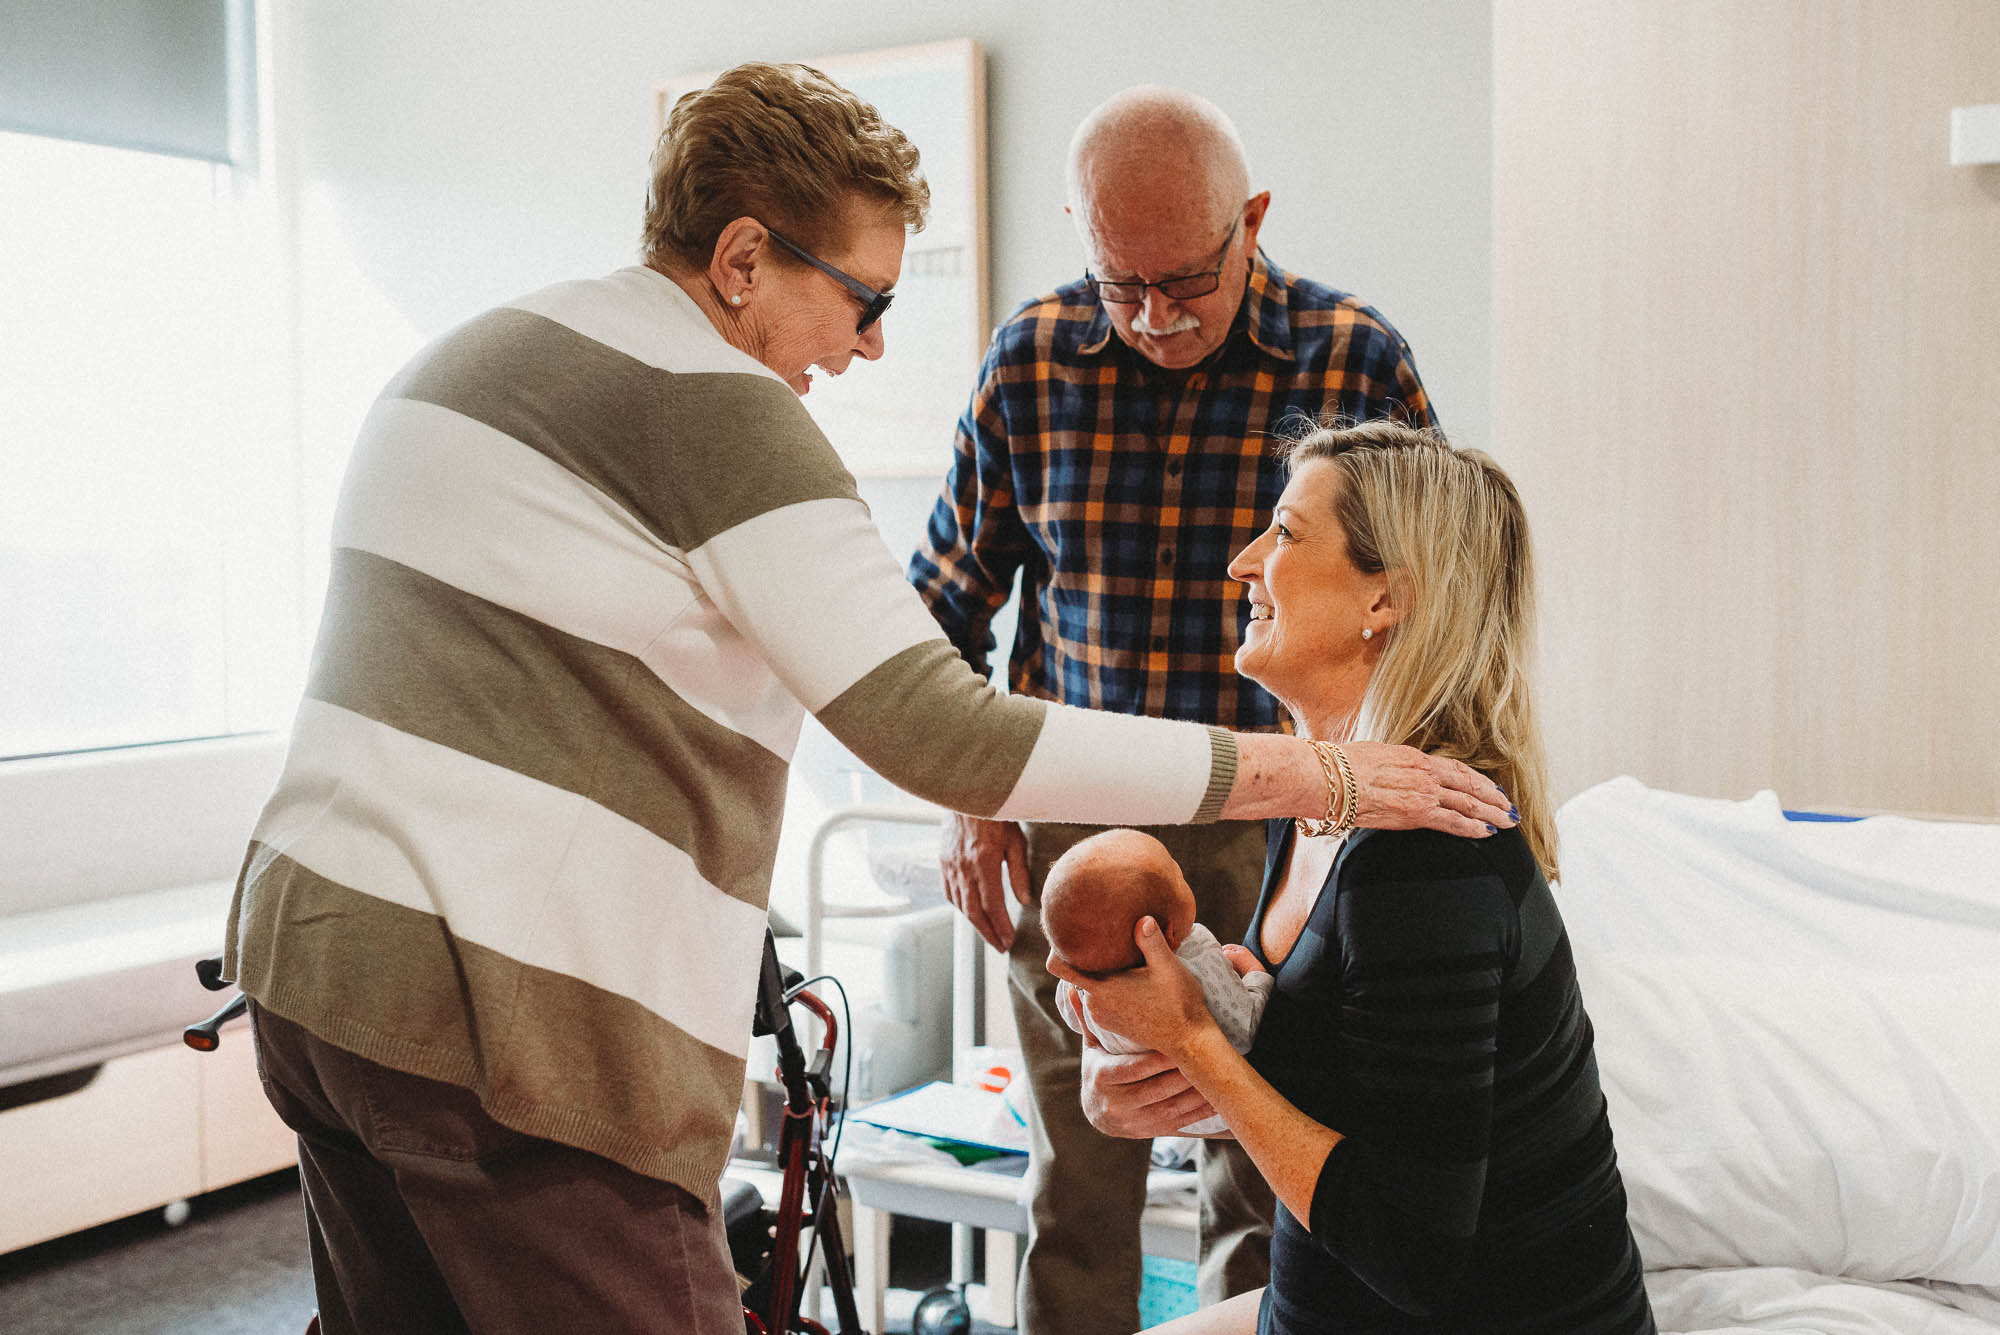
(1770, 1300)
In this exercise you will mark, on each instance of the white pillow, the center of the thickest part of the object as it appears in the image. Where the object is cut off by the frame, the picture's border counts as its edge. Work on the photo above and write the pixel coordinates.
(1838, 1120)
(1648, 870)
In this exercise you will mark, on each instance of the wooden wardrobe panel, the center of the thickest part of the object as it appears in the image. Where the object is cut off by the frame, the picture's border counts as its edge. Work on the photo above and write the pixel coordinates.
(1746, 325)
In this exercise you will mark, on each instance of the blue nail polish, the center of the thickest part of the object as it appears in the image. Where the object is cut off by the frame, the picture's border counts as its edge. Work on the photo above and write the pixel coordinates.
(1491, 830)
(1513, 813)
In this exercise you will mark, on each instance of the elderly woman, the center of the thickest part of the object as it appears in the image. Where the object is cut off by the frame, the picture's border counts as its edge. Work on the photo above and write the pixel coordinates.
(1422, 1094)
(500, 923)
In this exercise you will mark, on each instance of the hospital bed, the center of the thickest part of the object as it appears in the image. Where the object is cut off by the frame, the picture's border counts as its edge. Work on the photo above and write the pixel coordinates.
(1793, 1028)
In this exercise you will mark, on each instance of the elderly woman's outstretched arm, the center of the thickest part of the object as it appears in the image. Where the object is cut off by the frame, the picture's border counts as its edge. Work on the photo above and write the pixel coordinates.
(853, 641)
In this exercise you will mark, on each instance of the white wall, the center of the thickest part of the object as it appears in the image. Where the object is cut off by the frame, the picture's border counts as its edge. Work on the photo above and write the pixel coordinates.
(450, 154)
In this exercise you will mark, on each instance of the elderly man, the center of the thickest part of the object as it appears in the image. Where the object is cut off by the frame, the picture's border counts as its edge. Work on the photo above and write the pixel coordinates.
(1117, 449)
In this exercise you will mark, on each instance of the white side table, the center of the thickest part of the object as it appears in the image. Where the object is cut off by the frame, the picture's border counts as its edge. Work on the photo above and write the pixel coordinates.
(983, 1197)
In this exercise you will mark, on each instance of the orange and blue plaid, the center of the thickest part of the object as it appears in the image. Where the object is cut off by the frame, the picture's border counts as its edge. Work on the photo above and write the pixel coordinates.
(1120, 491)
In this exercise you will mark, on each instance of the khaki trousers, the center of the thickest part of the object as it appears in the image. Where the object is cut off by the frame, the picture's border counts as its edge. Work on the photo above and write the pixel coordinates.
(424, 1214)
(1080, 1275)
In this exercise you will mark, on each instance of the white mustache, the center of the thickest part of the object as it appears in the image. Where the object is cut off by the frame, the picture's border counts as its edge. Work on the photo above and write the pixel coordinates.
(1140, 325)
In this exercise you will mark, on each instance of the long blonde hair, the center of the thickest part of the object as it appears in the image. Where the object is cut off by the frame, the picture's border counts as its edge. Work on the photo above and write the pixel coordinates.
(1448, 528)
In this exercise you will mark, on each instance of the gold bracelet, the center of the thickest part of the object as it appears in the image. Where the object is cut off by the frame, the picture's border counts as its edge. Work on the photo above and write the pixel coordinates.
(1350, 791)
(1342, 794)
(1313, 829)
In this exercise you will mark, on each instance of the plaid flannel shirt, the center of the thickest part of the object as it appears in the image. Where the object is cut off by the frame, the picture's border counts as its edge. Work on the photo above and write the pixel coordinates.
(1122, 490)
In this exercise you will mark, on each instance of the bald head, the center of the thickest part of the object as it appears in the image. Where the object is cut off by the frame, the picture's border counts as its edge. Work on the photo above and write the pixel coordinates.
(1159, 191)
(1159, 152)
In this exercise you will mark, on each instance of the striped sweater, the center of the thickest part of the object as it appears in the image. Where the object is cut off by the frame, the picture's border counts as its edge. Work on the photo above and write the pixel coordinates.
(592, 565)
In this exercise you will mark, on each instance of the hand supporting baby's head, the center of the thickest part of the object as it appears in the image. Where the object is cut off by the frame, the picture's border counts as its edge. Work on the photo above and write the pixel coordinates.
(1098, 890)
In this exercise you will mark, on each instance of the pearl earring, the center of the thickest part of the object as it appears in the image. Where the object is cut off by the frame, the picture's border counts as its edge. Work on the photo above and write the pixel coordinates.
(1367, 633)
(736, 299)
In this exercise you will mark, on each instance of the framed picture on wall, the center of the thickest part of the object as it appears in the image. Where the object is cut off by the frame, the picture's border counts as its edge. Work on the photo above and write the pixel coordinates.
(894, 417)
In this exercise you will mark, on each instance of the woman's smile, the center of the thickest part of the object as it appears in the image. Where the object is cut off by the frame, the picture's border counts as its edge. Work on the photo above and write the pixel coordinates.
(1314, 659)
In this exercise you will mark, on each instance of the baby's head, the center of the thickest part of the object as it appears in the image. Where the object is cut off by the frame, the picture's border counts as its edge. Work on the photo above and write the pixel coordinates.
(1101, 887)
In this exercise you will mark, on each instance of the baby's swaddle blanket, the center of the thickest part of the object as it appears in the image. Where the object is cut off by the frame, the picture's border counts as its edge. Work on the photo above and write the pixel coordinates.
(1235, 1000)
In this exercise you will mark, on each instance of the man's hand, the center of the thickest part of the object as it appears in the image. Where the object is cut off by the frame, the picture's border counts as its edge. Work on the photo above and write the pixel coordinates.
(1401, 788)
(1138, 1097)
(973, 857)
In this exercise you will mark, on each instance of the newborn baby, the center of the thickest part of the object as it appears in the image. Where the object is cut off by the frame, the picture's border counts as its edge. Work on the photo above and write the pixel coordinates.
(1093, 898)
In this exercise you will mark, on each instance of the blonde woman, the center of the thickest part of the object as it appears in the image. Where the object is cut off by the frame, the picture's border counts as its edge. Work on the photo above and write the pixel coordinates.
(1422, 1094)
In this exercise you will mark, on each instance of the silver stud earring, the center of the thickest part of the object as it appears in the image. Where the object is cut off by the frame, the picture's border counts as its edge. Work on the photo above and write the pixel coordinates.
(1367, 633)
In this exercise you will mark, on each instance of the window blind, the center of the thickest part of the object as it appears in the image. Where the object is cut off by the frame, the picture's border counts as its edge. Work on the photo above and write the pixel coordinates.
(165, 76)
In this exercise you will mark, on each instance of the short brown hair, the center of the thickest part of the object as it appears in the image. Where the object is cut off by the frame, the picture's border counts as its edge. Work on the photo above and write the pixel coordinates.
(782, 144)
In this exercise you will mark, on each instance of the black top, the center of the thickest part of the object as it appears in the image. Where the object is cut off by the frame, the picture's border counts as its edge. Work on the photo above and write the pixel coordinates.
(1429, 1013)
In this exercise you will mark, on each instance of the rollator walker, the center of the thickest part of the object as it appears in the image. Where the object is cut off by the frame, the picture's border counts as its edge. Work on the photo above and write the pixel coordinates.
(773, 1247)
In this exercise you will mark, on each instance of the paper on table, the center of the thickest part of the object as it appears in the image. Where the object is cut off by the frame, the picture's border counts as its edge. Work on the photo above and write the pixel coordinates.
(945, 1111)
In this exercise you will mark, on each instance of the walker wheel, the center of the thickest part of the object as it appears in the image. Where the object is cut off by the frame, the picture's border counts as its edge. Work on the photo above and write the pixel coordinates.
(941, 1312)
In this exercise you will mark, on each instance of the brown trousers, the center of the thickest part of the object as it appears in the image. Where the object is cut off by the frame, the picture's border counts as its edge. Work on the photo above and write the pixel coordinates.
(424, 1214)
(1080, 1274)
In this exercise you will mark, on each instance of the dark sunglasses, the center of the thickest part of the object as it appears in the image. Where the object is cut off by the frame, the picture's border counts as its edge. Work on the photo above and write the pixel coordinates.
(873, 303)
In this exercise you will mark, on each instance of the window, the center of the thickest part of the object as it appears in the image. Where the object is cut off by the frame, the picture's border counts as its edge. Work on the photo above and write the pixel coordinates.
(149, 531)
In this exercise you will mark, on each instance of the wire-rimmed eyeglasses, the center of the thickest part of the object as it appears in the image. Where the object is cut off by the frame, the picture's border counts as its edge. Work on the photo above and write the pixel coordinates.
(1182, 287)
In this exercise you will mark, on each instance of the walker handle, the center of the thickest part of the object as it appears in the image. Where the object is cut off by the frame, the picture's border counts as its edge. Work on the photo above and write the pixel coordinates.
(207, 1036)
